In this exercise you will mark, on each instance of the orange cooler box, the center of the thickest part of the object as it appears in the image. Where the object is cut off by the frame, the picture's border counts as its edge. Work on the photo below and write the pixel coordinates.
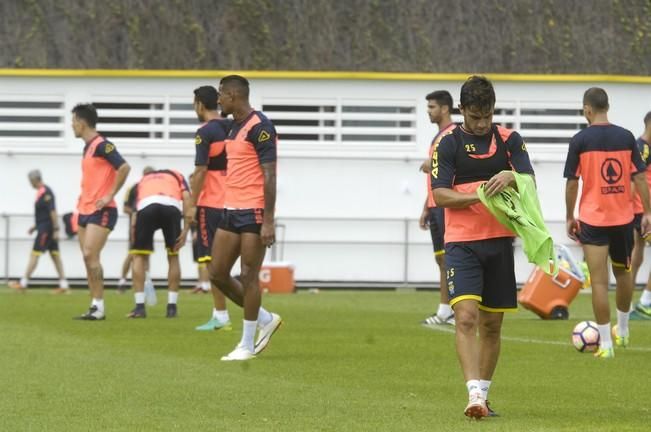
(549, 296)
(277, 277)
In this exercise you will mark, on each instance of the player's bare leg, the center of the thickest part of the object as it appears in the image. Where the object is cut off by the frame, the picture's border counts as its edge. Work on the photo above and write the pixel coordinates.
(31, 265)
(253, 252)
(623, 298)
(597, 259)
(443, 281)
(490, 341)
(467, 316)
(225, 252)
(637, 256)
(58, 265)
(467, 322)
(21, 286)
(138, 271)
(173, 284)
(92, 240)
(126, 266)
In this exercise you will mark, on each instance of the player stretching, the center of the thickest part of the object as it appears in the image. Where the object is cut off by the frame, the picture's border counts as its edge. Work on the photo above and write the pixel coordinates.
(605, 156)
(209, 190)
(248, 224)
(478, 249)
(103, 172)
(439, 109)
(47, 234)
(162, 197)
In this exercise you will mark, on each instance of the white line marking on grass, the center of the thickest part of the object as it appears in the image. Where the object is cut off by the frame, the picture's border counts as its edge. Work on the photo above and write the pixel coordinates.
(448, 329)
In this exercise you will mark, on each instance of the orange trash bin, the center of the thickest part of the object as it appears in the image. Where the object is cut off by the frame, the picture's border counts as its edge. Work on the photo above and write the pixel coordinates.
(549, 296)
(277, 277)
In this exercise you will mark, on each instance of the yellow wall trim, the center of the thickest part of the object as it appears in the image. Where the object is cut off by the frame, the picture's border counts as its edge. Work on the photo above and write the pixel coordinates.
(315, 75)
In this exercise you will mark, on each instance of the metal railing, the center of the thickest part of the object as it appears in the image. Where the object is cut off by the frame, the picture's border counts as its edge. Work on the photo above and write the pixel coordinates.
(401, 235)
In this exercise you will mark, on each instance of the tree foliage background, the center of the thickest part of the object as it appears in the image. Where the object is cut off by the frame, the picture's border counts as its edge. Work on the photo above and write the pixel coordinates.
(519, 36)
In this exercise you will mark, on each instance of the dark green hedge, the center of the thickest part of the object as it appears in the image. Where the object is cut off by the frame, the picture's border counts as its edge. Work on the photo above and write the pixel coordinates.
(518, 36)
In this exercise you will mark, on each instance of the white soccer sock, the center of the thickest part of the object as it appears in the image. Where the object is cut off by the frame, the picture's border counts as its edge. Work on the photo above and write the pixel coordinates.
(122, 282)
(248, 334)
(444, 310)
(473, 386)
(148, 278)
(100, 304)
(140, 297)
(484, 385)
(214, 313)
(645, 299)
(222, 316)
(63, 283)
(605, 338)
(24, 282)
(172, 297)
(264, 317)
(622, 323)
(205, 285)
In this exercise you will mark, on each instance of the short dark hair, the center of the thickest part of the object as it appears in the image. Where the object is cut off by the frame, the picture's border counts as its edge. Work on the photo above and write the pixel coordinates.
(442, 97)
(208, 96)
(236, 82)
(478, 92)
(597, 98)
(87, 113)
(647, 119)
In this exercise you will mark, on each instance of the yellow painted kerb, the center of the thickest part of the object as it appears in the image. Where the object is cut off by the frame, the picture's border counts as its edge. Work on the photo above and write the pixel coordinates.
(314, 75)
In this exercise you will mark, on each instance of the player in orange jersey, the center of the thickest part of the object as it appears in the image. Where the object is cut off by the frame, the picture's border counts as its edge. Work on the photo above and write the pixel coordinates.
(162, 198)
(605, 156)
(103, 172)
(209, 191)
(247, 228)
(439, 109)
(478, 249)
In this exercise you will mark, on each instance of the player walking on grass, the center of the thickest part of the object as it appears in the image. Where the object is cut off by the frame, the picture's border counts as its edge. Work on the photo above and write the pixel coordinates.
(643, 142)
(103, 172)
(162, 198)
(247, 228)
(47, 234)
(209, 191)
(439, 109)
(605, 156)
(478, 249)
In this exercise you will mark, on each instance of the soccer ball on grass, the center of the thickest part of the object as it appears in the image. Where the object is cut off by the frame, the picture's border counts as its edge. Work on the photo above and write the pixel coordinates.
(585, 336)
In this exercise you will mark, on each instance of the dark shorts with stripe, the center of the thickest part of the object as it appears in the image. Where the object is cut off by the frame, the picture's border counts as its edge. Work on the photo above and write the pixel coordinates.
(482, 270)
(208, 220)
(154, 217)
(44, 241)
(436, 222)
(106, 218)
(619, 240)
(242, 221)
(195, 245)
(637, 223)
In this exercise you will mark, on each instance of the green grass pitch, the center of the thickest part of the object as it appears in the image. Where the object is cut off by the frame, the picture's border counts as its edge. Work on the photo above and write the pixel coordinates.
(343, 361)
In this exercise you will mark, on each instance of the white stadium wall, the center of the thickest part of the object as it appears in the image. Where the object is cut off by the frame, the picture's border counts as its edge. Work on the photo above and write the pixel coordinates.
(349, 189)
